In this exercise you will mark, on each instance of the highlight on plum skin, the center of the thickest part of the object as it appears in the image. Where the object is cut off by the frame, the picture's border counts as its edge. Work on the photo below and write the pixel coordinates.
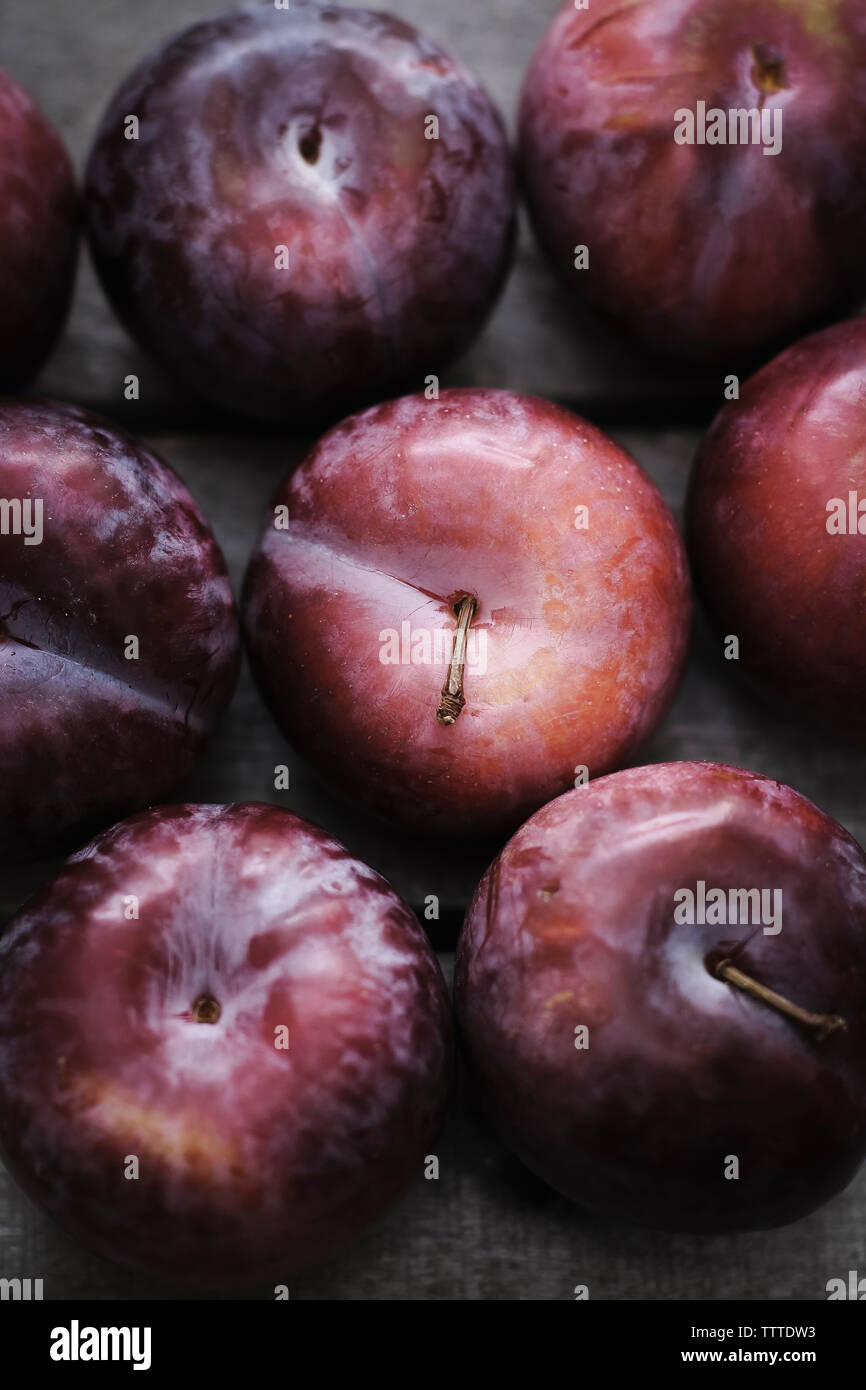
(225, 1045)
(315, 208)
(39, 235)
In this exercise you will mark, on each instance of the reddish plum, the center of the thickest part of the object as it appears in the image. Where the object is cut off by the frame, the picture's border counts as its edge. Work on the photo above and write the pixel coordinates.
(499, 514)
(777, 526)
(224, 1044)
(707, 249)
(612, 982)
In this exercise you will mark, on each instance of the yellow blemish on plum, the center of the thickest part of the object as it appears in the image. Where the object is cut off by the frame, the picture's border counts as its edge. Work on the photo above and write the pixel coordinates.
(515, 684)
(561, 998)
(188, 1142)
(557, 614)
(229, 175)
(555, 925)
(625, 120)
(820, 17)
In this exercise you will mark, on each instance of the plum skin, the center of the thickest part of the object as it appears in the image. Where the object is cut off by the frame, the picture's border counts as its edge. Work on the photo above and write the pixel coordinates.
(39, 235)
(400, 509)
(573, 925)
(766, 566)
(303, 129)
(707, 251)
(87, 735)
(255, 1160)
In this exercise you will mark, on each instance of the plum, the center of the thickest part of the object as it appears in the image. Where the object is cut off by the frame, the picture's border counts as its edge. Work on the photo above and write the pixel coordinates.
(715, 249)
(661, 982)
(224, 1045)
(316, 208)
(40, 219)
(118, 633)
(457, 608)
(777, 526)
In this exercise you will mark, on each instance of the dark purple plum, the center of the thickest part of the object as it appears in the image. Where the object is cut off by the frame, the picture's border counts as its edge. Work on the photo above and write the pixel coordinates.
(283, 237)
(39, 230)
(118, 633)
(267, 1033)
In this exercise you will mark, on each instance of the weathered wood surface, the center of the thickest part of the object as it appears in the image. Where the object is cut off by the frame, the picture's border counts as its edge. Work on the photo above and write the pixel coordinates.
(487, 1229)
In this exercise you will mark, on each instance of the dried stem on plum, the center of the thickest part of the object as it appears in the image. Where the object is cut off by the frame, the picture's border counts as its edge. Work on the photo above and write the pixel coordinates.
(824, 1024)
(452, 698)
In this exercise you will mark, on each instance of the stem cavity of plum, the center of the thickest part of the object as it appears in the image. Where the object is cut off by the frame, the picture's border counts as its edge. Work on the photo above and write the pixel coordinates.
(310, 144)
(452, 699)
(206, 1010)
(768, 72)
(823, 1024)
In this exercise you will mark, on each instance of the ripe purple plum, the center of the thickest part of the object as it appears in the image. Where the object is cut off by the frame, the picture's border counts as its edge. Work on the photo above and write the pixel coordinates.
(118, 633)
(661, 982)
(458, 606)
(777, 526)
(224, 1045)
(708, 234)
(314, 208)
(39, 231)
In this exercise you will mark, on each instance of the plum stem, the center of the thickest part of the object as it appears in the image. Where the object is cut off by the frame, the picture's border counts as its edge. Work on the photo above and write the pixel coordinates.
(452, 698)
(824, 1024)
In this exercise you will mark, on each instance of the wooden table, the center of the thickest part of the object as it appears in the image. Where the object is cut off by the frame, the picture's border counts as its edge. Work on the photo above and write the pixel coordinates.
(487, 1229)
